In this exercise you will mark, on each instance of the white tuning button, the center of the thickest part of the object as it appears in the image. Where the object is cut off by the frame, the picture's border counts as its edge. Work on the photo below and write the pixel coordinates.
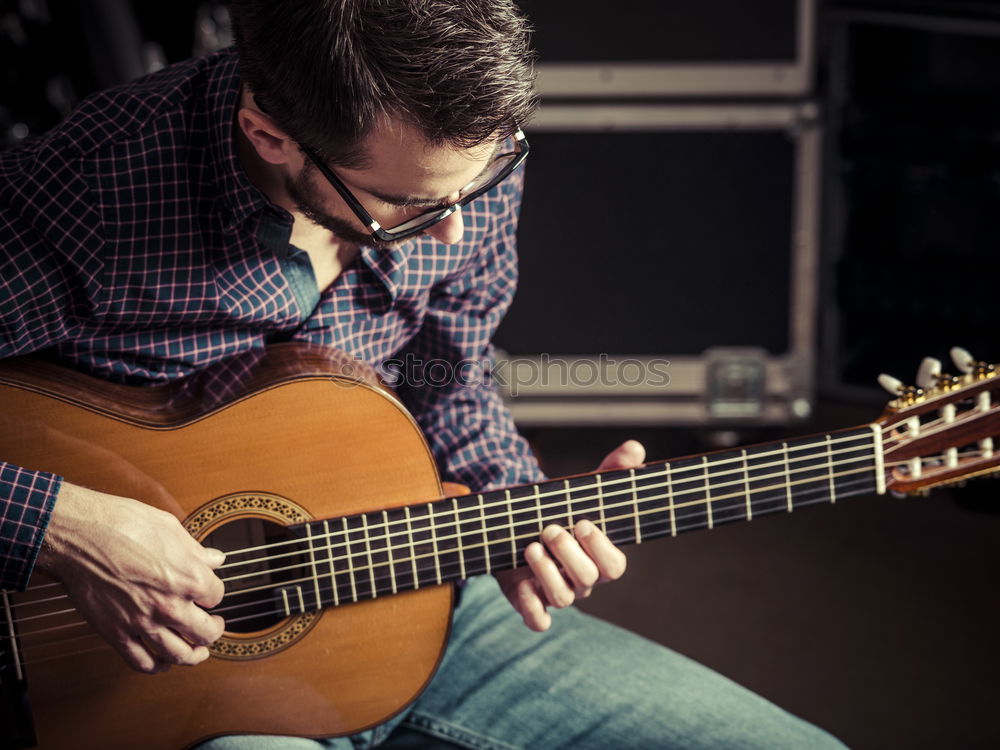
(962, 359)
(891, 384)
(928, 369)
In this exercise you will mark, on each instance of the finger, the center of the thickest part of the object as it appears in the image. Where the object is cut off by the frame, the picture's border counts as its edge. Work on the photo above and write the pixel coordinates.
(214, 557)
(547, 574)
(628, 455)
(610, 560)
(576, 564)
(208, 589)
(530, 605)
(194, 624)
(139, 657)
(171, 648)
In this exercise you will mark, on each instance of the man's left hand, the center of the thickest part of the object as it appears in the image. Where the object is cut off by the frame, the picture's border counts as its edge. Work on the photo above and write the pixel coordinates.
(563, 567)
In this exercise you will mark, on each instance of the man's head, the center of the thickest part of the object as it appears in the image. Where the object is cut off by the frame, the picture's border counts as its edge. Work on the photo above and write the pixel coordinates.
(405, 97)
(331, 71)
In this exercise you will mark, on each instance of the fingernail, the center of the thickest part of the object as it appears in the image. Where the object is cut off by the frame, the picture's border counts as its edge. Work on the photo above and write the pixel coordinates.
(583, 528)
(533, 552)
(551, 533)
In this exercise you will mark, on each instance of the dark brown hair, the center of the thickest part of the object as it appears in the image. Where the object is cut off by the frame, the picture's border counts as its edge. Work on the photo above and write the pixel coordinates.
(329, 70)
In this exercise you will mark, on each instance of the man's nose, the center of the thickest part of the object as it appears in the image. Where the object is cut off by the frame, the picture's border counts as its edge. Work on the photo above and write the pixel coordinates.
(448, 230)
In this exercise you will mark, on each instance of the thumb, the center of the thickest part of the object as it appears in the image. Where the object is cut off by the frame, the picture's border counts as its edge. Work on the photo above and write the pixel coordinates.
(628, 455)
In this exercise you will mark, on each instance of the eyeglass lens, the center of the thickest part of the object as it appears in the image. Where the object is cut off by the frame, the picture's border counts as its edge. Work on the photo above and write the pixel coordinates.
(497, 166)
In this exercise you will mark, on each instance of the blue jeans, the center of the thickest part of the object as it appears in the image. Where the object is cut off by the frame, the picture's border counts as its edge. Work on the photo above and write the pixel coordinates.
(583, 684)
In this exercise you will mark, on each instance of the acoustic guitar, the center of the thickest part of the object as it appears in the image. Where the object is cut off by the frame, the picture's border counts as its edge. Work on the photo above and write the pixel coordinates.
(342, 544)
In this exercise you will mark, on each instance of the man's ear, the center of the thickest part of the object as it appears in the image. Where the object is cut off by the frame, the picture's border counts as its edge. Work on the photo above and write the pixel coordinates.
(269, 141)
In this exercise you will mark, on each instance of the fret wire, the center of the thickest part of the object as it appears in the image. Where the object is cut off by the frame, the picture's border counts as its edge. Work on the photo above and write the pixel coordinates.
(413, 548)
(315, 570)
(434, 544)
(538, 505)
(788, 479)
(829, 463)
(18, 672)
(333, 569)
(368, 553)
(569, 504)
(458, 537)
(486, 539)
(510, 514)
(635, 502)
(867, 436)
(388, 549)
(81, 623)
(670, 500)
(284, 598)
(600, 502)
(707, 503)
(350, 560)
(746, 483)
(708, 494)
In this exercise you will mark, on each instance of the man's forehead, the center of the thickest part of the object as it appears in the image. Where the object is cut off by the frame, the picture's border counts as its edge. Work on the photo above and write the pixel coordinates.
(405, 168)
(395, 141)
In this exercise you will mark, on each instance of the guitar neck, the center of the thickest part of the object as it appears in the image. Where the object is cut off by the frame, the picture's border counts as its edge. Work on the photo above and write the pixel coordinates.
(385, 552)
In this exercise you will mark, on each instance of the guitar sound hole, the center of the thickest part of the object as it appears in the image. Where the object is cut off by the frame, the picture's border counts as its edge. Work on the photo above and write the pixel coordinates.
(265, 573)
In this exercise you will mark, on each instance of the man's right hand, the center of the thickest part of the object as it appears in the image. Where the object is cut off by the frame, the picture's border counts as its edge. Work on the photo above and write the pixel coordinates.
(136, 575)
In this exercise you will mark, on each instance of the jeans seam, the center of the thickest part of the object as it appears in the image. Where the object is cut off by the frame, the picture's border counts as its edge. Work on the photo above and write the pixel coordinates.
(447, 730)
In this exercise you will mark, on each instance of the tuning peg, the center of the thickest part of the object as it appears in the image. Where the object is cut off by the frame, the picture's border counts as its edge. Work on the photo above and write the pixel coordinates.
(891, 384)
(930, 368)
(962, 359)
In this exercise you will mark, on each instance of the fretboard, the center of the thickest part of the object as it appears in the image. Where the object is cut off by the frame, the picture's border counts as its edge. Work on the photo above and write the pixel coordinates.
(381, 553)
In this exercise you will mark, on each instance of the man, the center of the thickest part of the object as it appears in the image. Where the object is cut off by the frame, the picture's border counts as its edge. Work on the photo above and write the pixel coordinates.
(350, 179)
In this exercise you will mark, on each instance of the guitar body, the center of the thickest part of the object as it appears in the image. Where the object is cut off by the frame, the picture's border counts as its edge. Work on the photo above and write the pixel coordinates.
(305, 442)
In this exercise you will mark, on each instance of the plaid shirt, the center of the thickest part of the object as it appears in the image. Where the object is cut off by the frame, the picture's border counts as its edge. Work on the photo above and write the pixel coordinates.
(133, 246)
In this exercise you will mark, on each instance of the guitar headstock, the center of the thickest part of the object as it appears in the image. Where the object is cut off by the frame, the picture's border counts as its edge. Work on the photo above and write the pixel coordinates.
(945, 428)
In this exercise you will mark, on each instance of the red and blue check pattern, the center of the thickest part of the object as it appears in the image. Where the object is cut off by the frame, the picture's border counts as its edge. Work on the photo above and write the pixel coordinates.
(133, 247)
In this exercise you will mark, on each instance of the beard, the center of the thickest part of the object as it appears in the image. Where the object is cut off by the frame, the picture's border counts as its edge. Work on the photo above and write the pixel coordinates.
(302, 190)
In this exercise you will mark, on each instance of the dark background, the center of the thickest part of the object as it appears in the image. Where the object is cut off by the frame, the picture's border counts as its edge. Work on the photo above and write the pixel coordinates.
(875, 618)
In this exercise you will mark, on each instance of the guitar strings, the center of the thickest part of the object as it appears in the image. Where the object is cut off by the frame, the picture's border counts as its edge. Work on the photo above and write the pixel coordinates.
(621, 534)
(697, 471)
(676, 477)
(449, 566)
(403, 527)
(489, 544)
(566, 501)
(626, 537)
(504, 541)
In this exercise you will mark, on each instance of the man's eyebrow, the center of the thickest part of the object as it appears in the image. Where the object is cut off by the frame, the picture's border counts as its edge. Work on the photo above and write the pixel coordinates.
(407, 201)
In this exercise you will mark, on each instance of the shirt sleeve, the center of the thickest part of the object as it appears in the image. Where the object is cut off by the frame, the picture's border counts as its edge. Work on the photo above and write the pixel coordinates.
(26, 500)
(43, 291)
(446, 374)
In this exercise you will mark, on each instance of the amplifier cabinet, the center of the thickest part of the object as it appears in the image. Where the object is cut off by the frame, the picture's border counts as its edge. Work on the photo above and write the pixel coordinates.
(668, 267)
(649, 48)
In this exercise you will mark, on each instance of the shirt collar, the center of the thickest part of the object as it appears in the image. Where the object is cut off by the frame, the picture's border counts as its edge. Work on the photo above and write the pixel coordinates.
(238, 199)
(389, 265)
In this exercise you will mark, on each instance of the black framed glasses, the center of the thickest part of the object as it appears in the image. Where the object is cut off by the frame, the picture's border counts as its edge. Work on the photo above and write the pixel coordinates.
(496, 172)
